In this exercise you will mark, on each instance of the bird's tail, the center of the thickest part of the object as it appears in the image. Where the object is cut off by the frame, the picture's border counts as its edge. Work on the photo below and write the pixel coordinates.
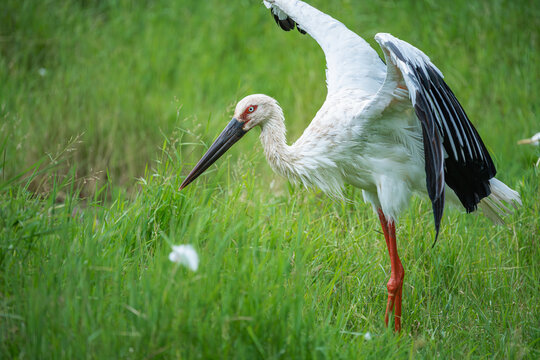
(500, 202)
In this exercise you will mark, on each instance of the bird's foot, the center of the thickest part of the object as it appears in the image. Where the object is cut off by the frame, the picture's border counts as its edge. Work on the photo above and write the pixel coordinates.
(395, 286)
(397, 273)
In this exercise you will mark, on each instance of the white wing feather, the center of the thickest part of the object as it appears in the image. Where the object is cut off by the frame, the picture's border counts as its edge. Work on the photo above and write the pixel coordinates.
(351, 62)
(454, 152)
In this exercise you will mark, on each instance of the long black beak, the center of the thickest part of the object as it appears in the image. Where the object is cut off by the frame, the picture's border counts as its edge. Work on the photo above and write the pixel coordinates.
(231, 134)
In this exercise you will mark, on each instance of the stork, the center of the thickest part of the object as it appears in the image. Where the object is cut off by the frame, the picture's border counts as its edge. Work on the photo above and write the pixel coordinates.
(391, 128)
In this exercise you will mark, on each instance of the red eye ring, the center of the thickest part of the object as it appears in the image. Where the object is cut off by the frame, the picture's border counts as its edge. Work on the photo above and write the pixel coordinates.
(251, 109)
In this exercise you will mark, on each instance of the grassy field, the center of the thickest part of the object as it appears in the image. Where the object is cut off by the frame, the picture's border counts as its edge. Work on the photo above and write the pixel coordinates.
(104, 107)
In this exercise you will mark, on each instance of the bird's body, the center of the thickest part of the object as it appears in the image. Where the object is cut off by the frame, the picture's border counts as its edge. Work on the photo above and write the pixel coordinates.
(335, 150)
(390, 129)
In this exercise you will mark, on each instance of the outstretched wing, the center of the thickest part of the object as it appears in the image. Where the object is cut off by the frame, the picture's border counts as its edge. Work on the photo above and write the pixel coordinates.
(446, 129)
(351, 62)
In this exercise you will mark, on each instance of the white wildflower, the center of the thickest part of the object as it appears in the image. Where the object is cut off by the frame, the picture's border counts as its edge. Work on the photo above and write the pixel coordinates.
(185, 255)
(367, 336)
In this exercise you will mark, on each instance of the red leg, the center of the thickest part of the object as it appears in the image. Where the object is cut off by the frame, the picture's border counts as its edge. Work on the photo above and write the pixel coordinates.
(395, 284)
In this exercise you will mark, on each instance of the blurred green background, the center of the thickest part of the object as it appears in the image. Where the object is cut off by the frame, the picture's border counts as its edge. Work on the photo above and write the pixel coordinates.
(99, 84)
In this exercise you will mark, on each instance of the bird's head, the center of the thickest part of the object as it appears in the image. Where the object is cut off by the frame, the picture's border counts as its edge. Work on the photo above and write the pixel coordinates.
(251, 111)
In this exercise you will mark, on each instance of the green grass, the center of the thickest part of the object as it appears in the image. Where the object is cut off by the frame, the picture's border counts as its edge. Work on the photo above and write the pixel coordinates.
(92, 155)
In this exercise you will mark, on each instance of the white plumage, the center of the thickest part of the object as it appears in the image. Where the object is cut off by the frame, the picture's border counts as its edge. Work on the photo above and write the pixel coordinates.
(390, 129)
(533, 140)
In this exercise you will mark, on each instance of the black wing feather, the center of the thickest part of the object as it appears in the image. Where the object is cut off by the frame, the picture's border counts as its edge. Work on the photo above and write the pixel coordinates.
(286, 24)
(467, 168)
(433, 159)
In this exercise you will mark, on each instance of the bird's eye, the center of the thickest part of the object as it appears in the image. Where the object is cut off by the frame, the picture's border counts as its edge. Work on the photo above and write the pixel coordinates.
(251, 109)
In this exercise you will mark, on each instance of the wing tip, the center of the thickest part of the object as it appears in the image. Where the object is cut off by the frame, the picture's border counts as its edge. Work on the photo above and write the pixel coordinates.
(438, 209)
(287, 24)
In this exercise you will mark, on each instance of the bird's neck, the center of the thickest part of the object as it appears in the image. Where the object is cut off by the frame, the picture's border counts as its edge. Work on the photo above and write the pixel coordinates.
(279, 155)
(299, 162)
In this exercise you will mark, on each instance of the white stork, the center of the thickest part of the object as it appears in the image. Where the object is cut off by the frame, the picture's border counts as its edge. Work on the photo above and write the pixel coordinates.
(533, 140)
(391, 129)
